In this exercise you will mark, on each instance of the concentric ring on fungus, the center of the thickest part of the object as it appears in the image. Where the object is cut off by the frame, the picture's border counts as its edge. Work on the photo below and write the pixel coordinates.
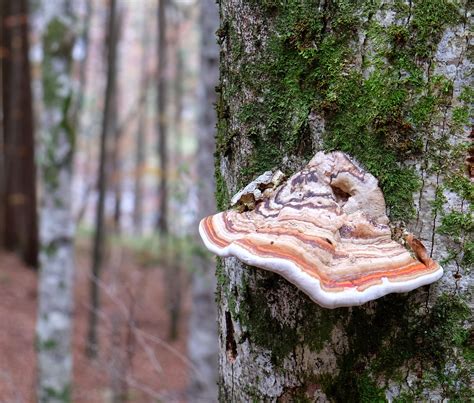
(326, 231)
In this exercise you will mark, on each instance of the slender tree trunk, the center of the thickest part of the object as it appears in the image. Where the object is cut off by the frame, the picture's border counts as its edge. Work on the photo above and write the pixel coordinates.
(2, 131)
(141, 132)
(174, 273)
(115, 181)
(116, 157)
(20, 232)
(202, 340)
(388, 83)
(162, 223)
(55, 292)
(97, 256)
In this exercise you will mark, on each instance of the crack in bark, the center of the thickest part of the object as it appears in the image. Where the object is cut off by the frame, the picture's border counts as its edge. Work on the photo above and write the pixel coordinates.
(230, 344)
(410, 5)
(435, 217)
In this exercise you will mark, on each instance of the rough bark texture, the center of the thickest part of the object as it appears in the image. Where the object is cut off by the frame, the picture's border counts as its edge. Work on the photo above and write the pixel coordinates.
(55, 294)
(202, 342)
(19, 217)
(388, 83)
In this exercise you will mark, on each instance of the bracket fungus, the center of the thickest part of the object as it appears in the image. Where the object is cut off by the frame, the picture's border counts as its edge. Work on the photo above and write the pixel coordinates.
(325, 230)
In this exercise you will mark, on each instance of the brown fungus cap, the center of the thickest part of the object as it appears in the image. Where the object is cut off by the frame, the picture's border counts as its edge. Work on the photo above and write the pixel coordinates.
(325, 230)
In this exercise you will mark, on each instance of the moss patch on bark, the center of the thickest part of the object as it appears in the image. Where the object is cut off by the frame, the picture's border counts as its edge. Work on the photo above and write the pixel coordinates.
(398, 335)
(370, 85)
(377, 109)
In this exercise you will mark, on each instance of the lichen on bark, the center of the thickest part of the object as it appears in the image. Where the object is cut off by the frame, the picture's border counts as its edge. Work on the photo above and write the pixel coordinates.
(55, 289)
(386, 82)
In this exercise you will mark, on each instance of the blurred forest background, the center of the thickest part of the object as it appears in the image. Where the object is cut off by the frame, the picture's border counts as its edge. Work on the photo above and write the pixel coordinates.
(106, 166)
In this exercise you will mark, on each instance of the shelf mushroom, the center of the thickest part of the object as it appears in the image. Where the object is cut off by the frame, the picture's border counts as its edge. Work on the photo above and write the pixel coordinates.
(325, 230)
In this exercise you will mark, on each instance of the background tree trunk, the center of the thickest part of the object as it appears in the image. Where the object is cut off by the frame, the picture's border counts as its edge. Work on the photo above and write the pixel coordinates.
(161, 120)
(387, 83)
(175, 194)
(141, 130)
(202, 341)
(19, 219)
(55, 292)
(97, 254)
(116, 174)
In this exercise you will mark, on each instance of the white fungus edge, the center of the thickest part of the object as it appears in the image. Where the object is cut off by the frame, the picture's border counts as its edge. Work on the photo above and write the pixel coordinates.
(311, 286)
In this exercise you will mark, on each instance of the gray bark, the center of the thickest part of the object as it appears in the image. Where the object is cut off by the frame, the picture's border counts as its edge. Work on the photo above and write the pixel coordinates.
(202, 341)
(55, 291)
(85, 42)
(141, 131)
(387, 83)
(97, 254)
(161, 119)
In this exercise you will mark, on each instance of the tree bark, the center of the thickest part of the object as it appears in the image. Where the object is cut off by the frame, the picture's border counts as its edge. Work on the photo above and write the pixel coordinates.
(162, 222)
(20, 232)
(55, 292)
(2, 138)
(202, 341)
(3, 199)
(141, 130)
(82, 65)
(97, 254)
(388, 83)
(116, 154)
(174, 272)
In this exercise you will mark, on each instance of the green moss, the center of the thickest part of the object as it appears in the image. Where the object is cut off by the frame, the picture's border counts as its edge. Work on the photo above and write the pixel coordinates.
(357, 389)
(461, 115)
(57, 43)
(222, 193)
(380, 119)
(313, 330)
(50, 249)
(220, 275)
(456, 223)
(400, 334)
(429, 20)
(256, 318)
(48, 344)
(459, 227)
(52, 394)
(381, 111)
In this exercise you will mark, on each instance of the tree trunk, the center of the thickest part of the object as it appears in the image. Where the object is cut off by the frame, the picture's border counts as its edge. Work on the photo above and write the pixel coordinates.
(116, 154)
(3, 199)
(174, 272)
(82, 65)
(2, 137)
(19, 185)
(202, 341)
(97, 255)
(162, 223)
(141, 131)
(55, 292)
(388, 83)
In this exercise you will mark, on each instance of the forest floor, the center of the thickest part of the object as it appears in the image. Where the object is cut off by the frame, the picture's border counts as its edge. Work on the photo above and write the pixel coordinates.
(135, 352)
